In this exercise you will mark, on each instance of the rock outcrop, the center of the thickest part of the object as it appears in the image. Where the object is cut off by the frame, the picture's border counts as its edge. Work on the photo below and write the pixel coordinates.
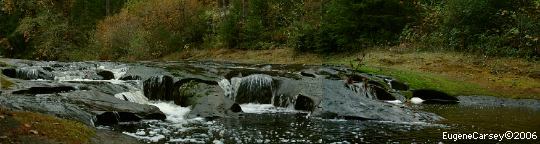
(213, 90)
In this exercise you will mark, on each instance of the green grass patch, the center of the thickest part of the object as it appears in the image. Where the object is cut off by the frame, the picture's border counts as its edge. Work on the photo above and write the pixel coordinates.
(57, 129)
(4, 64)
(5, 83)
(420, 80)
(35, 126)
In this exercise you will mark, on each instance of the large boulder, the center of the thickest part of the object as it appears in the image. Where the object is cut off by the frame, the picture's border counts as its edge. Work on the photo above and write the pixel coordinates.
(304, 103)
(107, 75)
(160, 88)
(208, 101)
(100, 103)
(191, 91)
(215, 106)
(90, 107)
(48, 104)
(339, 102)
(211, 107)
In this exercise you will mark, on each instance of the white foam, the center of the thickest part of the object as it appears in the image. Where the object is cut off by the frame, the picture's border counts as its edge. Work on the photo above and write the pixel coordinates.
(217, 142)
(119, 72)
(175, 114)
(155, 138)
(414, 123)
(397, 102)
(416, 100)
(265, 108)
(227, 88)
(186, 140)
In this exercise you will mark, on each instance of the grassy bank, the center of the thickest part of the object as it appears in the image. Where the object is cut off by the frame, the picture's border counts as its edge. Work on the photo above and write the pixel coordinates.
(454, 73)
(29, 127)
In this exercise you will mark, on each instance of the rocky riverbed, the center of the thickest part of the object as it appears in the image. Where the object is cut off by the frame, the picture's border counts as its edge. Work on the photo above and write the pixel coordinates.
(203, 102)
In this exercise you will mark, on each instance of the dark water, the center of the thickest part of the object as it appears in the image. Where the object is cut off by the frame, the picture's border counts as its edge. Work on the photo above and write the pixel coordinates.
(300, 128)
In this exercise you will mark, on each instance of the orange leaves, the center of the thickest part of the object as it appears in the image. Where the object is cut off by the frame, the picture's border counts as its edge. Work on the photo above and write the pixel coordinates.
(147, 29)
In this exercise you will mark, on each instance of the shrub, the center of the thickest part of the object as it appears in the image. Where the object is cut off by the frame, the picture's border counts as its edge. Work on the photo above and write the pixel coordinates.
(489, 27)
(257, 24)
(49, 29)
(352, 25)
(151, 29)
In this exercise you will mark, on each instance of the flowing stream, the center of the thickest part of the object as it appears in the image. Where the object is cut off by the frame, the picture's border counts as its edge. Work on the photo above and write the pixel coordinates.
(269, 114)
(264, 123)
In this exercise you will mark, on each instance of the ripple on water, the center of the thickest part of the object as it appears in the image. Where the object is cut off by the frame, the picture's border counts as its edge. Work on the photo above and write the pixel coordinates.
(268, 124)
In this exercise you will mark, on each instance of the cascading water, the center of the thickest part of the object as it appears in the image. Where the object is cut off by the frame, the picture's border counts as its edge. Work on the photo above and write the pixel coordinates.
(230, 88)
(257, 93)
(257, 88)
(89, 72)
(277, 109)
(361, 88)
(28, 73)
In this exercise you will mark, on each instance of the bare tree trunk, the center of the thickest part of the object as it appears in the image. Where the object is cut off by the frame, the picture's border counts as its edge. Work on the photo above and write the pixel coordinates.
(243, 9)
(223, 5)
(322, 9)
(107, 7)
(184, 10)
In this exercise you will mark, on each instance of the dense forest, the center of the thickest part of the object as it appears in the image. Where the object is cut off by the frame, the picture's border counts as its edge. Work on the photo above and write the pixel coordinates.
(150, 29)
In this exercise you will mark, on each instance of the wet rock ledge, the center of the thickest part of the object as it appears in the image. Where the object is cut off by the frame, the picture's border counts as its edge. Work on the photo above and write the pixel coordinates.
(108, 93)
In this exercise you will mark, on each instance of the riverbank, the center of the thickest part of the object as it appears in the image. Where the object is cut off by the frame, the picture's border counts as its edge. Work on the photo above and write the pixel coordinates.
(30, 127)
(454, 73)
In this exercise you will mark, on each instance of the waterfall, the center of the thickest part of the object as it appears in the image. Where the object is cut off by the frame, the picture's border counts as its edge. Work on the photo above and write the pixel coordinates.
(88, 73)
(155, 81)
(235, 83)
(227, 88)
(160, 88)
(256, 81)
(257, 88)
(362, 89)
(257, 94)
(73, 76)
(230, 88)
(29, 73)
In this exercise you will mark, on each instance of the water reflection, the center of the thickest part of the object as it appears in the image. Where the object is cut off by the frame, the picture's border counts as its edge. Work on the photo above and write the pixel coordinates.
(300, 128)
